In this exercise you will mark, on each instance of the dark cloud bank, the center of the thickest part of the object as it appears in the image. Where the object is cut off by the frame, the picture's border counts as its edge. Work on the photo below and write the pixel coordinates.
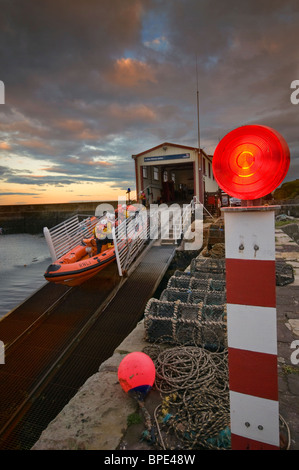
(89, 83)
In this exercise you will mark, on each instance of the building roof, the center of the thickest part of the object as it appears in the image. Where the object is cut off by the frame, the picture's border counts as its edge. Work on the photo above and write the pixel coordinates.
(169, 144)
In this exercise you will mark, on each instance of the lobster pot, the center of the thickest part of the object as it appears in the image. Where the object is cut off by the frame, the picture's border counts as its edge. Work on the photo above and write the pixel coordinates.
(179, 322)
(192, 308)
(217, 285)
(159, 319)
(199, 275)
(195, 283)
(175, 295)
(214, 313)
(210, 285)
(209, 265)
(195, 296)
(182, 282)
(215, 298)
(188, 282)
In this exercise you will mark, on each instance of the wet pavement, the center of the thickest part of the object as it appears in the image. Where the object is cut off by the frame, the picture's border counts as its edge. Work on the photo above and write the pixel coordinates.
(287, 303)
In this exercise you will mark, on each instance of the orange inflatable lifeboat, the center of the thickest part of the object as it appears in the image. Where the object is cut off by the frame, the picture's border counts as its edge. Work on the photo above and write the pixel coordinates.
(91, 255)
(76, 266)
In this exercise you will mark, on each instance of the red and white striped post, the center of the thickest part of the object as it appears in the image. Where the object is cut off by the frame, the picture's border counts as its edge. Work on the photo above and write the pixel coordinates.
(251, 324)
(250, 162)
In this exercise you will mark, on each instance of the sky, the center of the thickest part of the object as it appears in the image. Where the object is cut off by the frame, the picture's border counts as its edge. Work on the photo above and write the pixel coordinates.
(89, 83)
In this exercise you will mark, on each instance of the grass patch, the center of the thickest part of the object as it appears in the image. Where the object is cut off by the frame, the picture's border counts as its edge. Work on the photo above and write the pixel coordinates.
(282, 223)
(134, 418)
(290, 370)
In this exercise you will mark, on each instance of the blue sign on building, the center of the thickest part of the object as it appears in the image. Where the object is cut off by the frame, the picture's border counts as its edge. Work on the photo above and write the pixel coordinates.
(167, 157)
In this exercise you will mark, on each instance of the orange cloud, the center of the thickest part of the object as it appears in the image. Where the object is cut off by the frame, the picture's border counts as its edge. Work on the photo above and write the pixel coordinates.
(35, 144)
(99, 163)
(78, 127)
(130, 72)
(138, 112)
(87, 134)
(5, 146)
(63, 170)
(72, 125)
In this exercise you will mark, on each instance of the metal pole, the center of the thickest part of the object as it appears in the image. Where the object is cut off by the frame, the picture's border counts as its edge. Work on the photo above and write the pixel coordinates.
(50, 244)
(201, 186)
(116, 252)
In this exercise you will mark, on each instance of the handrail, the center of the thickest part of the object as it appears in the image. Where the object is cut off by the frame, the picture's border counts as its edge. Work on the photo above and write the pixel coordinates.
(67, 234)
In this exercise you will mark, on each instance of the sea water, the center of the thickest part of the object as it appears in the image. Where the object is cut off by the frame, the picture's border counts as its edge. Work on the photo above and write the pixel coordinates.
(23, 260)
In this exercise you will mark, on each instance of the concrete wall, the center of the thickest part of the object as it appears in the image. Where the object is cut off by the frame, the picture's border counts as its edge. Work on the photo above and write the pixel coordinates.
(211, 185)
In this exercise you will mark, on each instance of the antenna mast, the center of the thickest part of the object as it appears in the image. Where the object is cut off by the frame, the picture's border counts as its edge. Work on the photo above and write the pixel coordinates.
(197, 96)
(201, 183)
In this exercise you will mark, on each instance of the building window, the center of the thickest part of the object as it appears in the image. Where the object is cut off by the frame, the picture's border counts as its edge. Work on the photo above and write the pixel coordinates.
(173, 177)
(204, 166)
(144, 172)
(165, 176)
(209, 169)
(156, 173)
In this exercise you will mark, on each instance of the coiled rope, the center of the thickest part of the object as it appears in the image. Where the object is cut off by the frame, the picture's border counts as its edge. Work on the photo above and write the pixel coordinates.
(195, 410)
(193, 383)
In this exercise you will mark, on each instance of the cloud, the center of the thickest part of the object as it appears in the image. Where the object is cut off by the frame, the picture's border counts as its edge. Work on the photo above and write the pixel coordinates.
(129, 72)
(71, 125)
(158, 44)
(88, 84)
(36, 144)
(18, 194)
(5, 146)
(135, 113)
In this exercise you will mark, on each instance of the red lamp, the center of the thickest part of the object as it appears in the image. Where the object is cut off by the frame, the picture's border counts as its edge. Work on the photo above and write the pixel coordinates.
(251, 161)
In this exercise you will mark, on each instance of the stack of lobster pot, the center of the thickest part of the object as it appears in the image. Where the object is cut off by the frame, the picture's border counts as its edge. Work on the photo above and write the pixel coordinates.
(192, 309)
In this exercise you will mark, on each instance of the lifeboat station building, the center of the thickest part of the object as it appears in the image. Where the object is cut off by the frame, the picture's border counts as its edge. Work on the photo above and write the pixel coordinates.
(174, 173)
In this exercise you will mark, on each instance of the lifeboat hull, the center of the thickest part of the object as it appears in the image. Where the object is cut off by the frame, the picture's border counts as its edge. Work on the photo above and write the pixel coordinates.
(76, 267)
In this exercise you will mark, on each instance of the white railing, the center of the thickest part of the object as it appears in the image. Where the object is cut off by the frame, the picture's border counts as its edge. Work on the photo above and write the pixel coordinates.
(129, 239)
(165, 222)
(66, 235)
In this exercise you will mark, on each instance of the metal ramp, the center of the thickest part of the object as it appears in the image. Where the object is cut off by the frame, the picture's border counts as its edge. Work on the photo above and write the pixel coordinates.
(72, 331)
(165, 223)
(67, 345)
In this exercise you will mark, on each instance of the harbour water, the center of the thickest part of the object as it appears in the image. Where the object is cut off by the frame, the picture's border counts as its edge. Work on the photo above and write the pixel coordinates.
(23, 261)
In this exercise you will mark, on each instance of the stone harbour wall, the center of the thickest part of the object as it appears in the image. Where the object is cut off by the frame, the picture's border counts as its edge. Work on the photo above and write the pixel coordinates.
(32, 218)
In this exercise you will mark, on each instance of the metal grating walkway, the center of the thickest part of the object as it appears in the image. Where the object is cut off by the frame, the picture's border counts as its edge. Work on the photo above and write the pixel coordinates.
(108, 329)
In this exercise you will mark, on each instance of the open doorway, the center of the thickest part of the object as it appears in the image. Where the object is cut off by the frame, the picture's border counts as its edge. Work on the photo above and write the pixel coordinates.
(177, 183)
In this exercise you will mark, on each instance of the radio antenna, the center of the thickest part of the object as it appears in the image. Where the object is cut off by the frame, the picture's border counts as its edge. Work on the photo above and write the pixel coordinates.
(197, 99)
(200, 157)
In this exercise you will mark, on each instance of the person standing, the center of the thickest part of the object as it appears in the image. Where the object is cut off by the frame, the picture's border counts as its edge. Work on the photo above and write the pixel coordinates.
(143, 198)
